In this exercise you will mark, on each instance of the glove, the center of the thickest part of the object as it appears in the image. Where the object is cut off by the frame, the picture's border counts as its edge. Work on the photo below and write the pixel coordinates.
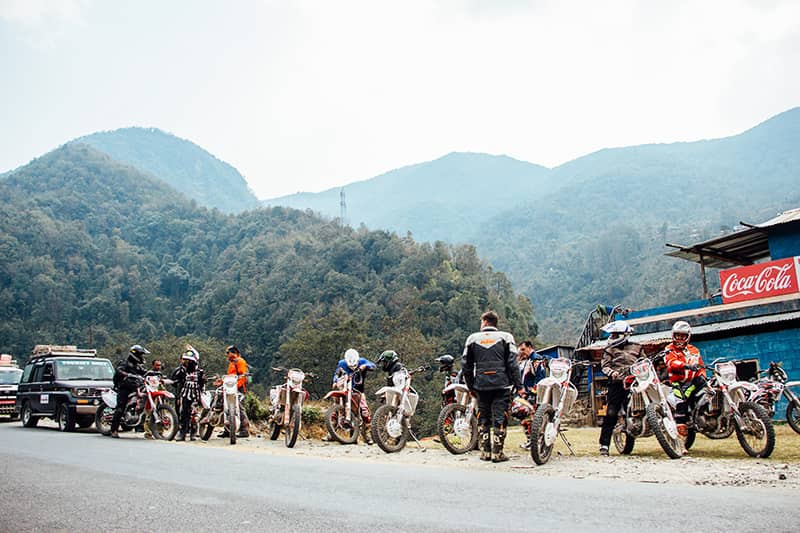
(615, 375)
(693, 368)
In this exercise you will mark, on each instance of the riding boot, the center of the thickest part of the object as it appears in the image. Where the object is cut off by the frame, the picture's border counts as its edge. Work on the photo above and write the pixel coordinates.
(193, 433)
(498, 440)
(366, 435)
(484, 444)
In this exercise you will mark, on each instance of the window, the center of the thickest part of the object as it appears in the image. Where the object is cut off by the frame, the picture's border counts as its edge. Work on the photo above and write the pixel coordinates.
(84, 369)
(26, 375)
(37, 373)
(48, 371)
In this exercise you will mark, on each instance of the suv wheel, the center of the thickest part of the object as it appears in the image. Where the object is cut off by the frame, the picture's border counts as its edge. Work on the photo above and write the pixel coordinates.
(66, 420)
(28, 420)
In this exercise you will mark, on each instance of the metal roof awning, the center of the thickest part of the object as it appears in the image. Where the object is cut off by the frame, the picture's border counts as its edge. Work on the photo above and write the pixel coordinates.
(740, 248)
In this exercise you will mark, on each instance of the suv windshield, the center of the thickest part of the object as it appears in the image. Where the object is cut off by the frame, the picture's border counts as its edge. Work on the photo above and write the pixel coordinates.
(87, 369)
(10, 377)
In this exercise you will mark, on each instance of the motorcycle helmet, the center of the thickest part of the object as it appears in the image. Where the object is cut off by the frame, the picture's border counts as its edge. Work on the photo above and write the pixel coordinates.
(137, 353)
(681, 333)
(190, 355)
(618, 332)
(351, 358)
(386, 359)
(521, 408)
(445, 362)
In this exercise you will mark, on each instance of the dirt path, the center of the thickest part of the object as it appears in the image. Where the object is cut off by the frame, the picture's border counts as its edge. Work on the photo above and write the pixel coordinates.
(746, 472)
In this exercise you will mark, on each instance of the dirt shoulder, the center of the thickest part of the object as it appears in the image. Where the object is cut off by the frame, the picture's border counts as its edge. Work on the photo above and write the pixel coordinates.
(728, 467)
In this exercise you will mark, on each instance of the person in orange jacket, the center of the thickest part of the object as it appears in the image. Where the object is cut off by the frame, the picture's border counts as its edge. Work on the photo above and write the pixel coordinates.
(686, 371)
(237, 365)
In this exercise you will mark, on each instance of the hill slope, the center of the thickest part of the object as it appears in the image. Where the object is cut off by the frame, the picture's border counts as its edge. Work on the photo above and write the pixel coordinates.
(180, 163)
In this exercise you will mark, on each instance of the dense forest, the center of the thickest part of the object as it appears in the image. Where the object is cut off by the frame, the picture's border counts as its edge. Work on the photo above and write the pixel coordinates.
(96, 253)
(593, 230)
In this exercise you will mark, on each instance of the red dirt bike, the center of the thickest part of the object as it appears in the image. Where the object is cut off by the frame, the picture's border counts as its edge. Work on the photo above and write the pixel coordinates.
(286, 405)
(344, 418)
(457, 424)
(148, 402)
(769, 390)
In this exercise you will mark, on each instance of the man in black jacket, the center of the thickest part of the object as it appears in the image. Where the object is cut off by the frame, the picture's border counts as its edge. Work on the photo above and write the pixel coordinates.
(491, 371)
(127, 378)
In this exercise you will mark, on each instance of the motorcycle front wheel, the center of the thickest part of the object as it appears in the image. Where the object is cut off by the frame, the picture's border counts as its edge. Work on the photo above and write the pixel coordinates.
(657, 419)
(232, 422)
(623, 442)
(338, 426)
(454, 433)
(102, 418)
(793, 416)
(756, 434)
(541, 451)
(293, 428)
(164, 422)
(382, 429)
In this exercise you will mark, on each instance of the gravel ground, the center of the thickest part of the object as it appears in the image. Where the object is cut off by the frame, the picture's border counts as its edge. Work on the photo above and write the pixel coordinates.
(745, 472)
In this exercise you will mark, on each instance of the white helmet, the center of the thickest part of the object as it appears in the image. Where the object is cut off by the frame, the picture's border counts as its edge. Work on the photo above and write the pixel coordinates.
(351, 358)
(618, 332)
(681, 328)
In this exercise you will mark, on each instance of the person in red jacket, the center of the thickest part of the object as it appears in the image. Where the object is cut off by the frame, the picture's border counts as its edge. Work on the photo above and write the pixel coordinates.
(686, 371)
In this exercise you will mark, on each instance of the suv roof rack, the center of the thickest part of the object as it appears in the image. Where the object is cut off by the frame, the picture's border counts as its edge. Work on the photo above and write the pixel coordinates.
(7, 360)
(47, 350)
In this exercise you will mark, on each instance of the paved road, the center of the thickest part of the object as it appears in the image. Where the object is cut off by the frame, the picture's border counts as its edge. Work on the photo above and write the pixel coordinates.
(83, 481)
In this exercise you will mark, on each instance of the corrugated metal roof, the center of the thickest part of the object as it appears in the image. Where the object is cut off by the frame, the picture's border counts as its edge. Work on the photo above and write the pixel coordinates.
(743, 247)
(658, 337)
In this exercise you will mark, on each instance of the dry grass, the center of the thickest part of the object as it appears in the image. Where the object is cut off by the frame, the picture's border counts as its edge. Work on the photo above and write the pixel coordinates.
(584, 443)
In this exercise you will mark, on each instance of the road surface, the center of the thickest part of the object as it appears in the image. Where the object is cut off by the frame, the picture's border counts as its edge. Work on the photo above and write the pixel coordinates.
(84, 481)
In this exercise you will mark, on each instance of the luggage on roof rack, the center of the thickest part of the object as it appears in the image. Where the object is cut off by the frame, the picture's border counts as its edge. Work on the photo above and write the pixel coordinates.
(47, 350)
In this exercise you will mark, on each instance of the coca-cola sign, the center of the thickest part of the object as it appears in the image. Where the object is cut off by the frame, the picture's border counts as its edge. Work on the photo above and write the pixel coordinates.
(759, 281)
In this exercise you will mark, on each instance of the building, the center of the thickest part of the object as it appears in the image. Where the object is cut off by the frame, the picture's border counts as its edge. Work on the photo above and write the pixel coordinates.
(754, 319)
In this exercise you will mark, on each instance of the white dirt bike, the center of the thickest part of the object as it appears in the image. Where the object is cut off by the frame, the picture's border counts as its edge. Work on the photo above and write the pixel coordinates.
(390, 423)
(286, 405)
(221, 407)
(457, 424)
(647, 412)
(555, 396)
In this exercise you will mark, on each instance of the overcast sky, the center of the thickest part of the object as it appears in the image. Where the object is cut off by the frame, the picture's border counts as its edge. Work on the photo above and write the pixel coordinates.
(308, 95)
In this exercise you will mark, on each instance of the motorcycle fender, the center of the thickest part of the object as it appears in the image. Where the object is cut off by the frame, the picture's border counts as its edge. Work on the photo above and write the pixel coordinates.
(791, 383)
(458, 387)
(334, 394)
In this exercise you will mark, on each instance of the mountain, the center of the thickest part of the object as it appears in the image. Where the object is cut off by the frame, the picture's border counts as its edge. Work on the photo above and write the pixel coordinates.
(180, 163)
(436, 200)
(591, 230)
(95, 252)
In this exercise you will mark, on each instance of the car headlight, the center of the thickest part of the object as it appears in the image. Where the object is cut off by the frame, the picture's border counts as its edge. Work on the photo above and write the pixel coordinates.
(80, 391)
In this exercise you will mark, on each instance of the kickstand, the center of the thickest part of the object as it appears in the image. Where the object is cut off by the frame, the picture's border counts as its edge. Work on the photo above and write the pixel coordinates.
(564, 438)
(424, 449)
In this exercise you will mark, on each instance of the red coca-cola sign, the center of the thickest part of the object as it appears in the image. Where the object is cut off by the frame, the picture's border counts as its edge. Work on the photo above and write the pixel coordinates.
(759, 281)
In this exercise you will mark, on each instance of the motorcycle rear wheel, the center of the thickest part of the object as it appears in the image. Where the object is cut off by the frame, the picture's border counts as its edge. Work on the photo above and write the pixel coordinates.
(540, 451)
(451, 415)
(655, 419)
(756, 436)
(380, 431)
(293, 428)
(623, 442)
(793, 417)
(167, 424)
(339, 428)
(691, 435)
(274, 430)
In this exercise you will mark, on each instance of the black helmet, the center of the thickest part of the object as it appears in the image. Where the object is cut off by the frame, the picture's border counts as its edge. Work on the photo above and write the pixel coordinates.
(137, 353)
(386, 359)
(445, 362)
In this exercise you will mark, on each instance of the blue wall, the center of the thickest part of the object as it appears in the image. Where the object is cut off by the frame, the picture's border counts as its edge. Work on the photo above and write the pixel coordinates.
(784, 243)
(783, 345)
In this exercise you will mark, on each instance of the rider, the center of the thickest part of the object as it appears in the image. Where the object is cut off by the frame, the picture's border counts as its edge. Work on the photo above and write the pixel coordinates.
(357, 366)
(686, 371)
(532, 369)
(237, 365)
(127, 377)
(190, 380)
(491, 372)
(618, 355)
(390, 363)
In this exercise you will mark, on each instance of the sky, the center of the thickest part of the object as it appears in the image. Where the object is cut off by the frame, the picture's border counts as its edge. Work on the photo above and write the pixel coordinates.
(309, 95)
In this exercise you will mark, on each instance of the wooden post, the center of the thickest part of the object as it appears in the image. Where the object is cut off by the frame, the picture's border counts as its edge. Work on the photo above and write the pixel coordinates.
(703, 274)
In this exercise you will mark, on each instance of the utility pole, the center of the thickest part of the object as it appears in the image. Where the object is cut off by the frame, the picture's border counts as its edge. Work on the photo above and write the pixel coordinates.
(342, 208)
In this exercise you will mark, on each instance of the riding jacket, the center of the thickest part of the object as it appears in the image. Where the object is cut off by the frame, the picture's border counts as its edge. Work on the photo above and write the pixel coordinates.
(489, 361)
(677, 360)
(620, 358)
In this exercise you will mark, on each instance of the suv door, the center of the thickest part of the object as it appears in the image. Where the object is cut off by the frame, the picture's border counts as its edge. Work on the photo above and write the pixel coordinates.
(47, 401)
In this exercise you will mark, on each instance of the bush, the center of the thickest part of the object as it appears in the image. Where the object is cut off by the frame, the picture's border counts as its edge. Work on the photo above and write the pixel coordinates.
(257, 410)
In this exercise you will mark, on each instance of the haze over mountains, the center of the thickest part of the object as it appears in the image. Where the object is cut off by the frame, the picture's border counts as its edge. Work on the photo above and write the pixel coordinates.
(586, 232)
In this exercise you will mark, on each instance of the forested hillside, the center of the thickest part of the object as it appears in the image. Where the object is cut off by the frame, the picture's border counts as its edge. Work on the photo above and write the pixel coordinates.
(95, 252)
(592, 230)
(180, 163)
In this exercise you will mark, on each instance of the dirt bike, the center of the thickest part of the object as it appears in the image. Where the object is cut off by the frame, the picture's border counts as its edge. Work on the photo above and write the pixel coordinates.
(220, 407)
(769, 390)
(286, 405)
(457, 424)
(343, 418)
(722, 404)
(555, 395)
(147, 402)
(647, 412)
(390, 425)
